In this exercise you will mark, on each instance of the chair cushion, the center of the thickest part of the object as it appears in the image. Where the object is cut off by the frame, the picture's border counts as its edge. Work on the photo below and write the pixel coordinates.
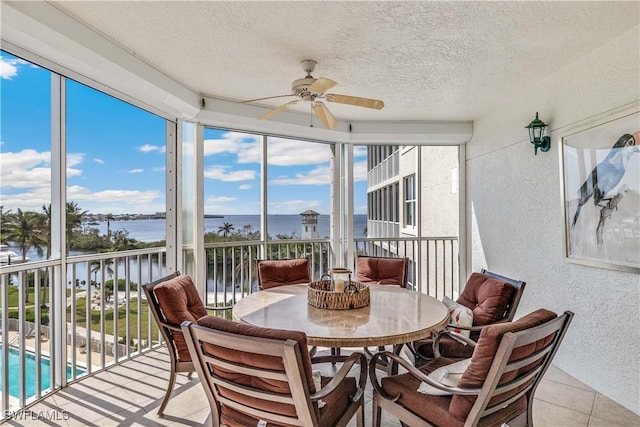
(448, 375)
(435, 409)
(384, 271)
(487, 297)
(485, 351)
(179, 301)
(274, 273)
(335, 405)
(336, 402)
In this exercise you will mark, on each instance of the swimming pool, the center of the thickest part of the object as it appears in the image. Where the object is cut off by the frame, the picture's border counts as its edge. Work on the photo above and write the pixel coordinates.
(30, 373)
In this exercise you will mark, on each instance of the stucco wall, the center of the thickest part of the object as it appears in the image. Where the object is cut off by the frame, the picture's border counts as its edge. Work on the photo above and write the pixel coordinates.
(516, 218)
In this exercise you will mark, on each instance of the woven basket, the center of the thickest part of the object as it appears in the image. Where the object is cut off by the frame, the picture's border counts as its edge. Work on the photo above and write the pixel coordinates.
(356, 295)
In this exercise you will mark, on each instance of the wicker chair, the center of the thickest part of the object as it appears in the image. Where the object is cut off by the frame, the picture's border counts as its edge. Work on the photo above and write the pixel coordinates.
(259, 376)
(497, 386)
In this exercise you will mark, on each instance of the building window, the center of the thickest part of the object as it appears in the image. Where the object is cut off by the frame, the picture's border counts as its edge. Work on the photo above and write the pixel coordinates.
(410, 200)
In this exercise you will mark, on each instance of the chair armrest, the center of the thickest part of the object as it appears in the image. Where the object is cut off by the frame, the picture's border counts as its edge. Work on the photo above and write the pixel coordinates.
(171, 326)
(414, 372)
(460, 338)
(212, 308)
(477, 328)
(342, 373)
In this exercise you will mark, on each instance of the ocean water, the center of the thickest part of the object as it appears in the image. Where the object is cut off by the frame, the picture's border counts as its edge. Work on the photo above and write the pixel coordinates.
(151, 230)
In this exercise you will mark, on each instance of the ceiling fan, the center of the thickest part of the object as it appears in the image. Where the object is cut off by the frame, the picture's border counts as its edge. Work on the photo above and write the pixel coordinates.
(313, 90)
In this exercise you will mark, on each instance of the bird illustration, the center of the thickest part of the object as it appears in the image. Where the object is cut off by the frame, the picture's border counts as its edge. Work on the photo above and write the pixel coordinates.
(608, 173)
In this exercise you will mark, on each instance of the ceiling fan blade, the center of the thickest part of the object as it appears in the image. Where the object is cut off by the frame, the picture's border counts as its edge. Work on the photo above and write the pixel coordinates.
(325, 115)
(322, 85)
(268, 97)
(354, 100)
(276, 110)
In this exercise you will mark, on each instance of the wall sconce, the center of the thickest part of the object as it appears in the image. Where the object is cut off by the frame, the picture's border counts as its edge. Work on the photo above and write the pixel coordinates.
(536, 135)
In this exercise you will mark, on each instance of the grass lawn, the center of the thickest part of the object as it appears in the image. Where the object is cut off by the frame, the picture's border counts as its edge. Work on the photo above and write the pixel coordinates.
(95, 320)
(144, 315)
(13, 296)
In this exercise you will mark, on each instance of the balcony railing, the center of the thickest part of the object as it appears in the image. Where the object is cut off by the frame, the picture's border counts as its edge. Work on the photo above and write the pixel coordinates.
(44, 330)
(54, 337)
(231, 267)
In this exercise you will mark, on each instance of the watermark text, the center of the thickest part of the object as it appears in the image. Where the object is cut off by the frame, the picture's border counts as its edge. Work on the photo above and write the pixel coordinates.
(28, 414)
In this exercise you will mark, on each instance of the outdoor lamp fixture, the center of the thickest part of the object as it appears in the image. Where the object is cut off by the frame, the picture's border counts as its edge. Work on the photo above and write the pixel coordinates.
(536, 135)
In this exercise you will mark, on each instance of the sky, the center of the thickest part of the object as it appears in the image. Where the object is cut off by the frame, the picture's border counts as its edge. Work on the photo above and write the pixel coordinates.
(116, 156)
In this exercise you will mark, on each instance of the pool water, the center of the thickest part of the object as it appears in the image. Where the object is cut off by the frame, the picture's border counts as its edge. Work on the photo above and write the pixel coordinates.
(30, 373)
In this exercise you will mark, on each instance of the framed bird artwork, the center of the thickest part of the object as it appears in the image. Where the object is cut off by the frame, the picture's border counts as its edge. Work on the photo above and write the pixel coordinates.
(601, 193)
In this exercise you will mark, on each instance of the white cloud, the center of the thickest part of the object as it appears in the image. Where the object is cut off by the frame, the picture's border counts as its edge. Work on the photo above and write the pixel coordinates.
(159, 169)
(280, 151)
(245, 187)
(318, 176)
(359, 151)
(362, 209)
(28, 201)
(25, 169)
(235, 143)
(233, 209)
(293, 207)
(148, 148)
(114, 201)
(360, 171)
(99, 161)
(290, 152)
(9, 67)
(220, 199)
(222, 173)
(136, 196)
(135, 171)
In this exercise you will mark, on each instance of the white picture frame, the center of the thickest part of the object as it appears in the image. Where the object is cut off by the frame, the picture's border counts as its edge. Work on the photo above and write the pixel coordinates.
(600, 174)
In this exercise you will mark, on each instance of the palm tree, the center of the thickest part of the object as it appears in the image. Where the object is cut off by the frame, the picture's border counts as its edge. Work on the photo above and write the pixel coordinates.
(225, 229)
(46, 226)
(109, 217)
(75, 217)
(96, 267)
(24, 229)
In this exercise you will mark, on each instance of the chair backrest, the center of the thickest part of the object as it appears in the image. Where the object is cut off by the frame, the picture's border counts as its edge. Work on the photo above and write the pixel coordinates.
(172, 300)
(382, 270)
(281, 272)
(518, 286)
(491, 297)
(508, 363)
(251, 373)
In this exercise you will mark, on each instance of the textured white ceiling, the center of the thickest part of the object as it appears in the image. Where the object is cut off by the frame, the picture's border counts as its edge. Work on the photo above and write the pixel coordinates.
(426, 60)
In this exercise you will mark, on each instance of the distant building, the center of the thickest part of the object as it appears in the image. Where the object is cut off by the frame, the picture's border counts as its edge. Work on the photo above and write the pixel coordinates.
(309, 224)
(412, 191)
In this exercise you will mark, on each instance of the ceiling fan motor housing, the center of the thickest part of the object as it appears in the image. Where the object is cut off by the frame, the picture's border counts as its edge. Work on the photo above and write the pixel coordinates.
(300, 87)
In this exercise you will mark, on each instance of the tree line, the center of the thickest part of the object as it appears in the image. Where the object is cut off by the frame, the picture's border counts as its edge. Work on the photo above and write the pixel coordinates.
(31, 230)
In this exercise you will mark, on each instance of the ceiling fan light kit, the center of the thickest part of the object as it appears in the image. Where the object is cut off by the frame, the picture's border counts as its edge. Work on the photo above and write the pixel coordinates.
(313, 90)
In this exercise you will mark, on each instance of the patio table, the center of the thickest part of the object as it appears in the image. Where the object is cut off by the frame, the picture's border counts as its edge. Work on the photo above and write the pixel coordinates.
(395, 316)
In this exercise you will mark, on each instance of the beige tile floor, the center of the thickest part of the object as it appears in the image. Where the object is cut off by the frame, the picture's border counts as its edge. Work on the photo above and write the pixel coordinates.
(129, 395)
